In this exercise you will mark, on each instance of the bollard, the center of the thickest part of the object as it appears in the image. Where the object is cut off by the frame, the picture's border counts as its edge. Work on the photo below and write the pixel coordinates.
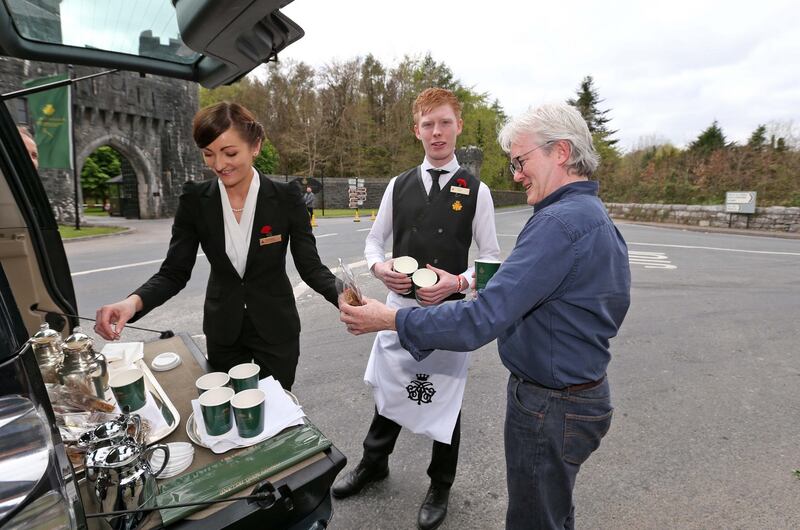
(356, 219)
(372, 217)
(314, 220)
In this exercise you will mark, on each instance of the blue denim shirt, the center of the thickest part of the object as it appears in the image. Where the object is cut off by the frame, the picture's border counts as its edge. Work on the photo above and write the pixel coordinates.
(554, 303)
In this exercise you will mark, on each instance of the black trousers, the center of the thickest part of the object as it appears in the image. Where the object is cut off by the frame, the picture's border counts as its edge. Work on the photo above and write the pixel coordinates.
(277, 360)
(382, 435)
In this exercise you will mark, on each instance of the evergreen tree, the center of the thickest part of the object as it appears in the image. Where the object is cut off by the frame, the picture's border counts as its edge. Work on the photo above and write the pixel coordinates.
(267, 159)
(709, 140)
(587, 102)
(759, 137)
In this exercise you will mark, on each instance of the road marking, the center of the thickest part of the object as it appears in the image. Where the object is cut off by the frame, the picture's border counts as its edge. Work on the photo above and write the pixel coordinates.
(325, 235)
(718, 248)
(506, 212)
(507, 235)
(650, 260)
(118, 267)
(363, 229)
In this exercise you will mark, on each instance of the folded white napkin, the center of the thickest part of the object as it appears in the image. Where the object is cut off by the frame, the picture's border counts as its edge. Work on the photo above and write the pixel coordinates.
(122, 354)
(280, 410)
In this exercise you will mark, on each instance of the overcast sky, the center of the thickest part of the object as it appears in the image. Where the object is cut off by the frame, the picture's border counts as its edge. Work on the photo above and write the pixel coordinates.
(666, 69)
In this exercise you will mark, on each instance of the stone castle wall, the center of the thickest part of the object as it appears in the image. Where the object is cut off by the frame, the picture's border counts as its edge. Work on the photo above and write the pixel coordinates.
(146, 119)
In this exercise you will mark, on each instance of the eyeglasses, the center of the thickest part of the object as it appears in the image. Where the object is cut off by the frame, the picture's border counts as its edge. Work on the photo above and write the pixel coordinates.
(517, 163)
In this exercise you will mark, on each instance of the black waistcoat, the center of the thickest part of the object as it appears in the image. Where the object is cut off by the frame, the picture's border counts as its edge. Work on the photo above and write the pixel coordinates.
(437, 232)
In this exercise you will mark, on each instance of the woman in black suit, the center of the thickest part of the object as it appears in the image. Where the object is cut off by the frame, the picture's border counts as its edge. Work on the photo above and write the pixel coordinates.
(244, 223)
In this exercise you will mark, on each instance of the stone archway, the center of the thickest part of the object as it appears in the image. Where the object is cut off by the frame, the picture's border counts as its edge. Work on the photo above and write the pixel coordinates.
(139, 162)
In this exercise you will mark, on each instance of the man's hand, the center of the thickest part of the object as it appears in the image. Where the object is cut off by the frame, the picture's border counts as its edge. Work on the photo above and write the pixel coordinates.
(447, 285)
(396, 282)
(372, 316)
(111, 318)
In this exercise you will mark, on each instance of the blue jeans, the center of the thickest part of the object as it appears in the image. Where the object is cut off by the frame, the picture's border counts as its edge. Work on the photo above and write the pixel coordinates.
(548, 435)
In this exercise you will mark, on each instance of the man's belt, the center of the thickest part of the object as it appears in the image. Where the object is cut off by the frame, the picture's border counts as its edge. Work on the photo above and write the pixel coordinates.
(571, 388)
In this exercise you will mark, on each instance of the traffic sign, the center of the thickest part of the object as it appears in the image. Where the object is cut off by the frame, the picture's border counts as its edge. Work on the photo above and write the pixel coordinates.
(740, 202)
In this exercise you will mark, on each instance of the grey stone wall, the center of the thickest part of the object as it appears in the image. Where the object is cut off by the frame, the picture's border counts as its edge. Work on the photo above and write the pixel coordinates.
(773, 218)
(146, 119)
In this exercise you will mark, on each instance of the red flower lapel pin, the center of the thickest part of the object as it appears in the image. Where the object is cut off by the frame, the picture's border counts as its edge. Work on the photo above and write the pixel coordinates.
(266, 229)
(461, 182)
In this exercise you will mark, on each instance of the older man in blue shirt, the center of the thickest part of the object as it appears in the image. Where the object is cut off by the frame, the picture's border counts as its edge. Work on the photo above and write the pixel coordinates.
(553, 305)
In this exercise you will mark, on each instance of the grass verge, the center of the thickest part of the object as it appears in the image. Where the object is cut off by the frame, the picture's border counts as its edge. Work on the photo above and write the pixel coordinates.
(69, 232)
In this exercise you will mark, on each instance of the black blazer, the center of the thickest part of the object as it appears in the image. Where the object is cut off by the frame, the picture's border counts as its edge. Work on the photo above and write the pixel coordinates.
(265, 288)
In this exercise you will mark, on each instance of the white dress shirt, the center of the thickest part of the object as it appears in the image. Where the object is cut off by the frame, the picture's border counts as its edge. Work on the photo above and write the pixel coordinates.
(237, 234)
(483, 230)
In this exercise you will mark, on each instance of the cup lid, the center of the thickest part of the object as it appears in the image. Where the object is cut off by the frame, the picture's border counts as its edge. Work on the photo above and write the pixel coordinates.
(424, 278)
(405, 264)
(165, 361)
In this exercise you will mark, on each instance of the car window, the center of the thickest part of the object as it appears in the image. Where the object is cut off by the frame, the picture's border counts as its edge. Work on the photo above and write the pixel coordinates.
(146, 29)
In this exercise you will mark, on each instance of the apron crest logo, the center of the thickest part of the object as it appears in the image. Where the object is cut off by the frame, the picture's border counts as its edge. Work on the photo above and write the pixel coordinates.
(421, 390)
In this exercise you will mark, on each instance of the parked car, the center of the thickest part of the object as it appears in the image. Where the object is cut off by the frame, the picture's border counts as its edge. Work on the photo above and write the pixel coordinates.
(214, 43)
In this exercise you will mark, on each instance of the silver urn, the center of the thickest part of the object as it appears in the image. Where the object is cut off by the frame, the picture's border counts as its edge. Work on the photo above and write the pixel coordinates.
(46, 344)
(120, 478)
(82, 367)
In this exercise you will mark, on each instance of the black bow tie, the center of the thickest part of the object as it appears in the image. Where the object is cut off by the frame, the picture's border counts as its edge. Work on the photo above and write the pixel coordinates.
(435, 188)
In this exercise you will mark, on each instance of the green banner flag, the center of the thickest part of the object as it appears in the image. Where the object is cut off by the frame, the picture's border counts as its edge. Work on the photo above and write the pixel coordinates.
(51, 123)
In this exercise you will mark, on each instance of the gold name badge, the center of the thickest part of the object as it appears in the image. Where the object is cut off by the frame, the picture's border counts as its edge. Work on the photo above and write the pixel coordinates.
(459, 190)
(269, 240)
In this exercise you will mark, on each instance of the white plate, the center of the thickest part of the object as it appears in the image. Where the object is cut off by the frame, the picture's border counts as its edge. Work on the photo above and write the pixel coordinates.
(165, 361)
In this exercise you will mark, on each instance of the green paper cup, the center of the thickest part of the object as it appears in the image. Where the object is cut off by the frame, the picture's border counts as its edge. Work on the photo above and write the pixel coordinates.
(244, 376)
(484, 270)
(211, 380)
(248, 410)
(128, 388)
(423, 278)
(215, 405)
(405, 265)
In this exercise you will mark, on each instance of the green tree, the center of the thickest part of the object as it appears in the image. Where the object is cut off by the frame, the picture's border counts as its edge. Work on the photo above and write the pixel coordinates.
(267, 159)
(101, 165)
(710, 140)
(587, 102)
(759, 137)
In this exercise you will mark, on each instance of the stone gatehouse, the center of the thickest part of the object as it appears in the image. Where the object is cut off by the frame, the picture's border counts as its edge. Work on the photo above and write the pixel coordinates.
(147, 119)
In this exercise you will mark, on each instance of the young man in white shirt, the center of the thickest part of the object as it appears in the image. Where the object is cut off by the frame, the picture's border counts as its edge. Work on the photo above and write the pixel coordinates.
(432, 212)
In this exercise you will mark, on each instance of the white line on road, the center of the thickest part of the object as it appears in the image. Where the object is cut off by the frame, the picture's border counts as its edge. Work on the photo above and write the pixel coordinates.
(127, 266)
(325, 235)
(363, 229)
(718, 248)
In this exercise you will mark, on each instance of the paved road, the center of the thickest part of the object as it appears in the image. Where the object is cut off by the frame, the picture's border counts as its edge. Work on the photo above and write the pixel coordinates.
(705, 377)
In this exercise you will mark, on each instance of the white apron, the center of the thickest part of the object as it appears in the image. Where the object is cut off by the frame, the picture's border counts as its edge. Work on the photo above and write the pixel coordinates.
(424, 397)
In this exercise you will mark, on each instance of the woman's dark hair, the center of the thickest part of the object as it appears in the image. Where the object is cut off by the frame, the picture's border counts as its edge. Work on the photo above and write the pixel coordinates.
(215, 119)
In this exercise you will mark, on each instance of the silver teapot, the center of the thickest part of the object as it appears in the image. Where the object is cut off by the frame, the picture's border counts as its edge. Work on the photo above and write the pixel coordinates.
(113, 432)
(120, 478)
(46, 344)
(82, 367)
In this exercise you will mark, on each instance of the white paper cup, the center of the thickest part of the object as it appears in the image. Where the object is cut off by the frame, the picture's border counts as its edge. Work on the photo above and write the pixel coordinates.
(423, 278)
(405, 265)
(211, 380)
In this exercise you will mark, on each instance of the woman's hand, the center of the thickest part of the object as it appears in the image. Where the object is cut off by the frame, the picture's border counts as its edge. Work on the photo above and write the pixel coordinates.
(111, 318)
(372, 316)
